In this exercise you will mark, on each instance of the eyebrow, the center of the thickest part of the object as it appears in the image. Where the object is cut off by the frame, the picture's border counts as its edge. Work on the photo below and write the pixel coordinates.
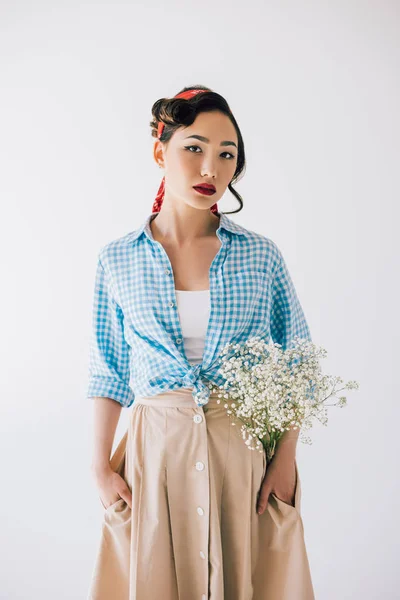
(204, 139)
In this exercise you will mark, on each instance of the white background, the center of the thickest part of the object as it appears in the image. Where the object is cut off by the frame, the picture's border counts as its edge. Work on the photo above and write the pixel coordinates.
(314, 86)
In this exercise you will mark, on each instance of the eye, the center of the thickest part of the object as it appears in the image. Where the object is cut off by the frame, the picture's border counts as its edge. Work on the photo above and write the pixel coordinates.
(232, 155)
(188, 148)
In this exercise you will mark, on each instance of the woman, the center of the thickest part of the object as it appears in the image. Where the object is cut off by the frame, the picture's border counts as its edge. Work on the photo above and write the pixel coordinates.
(190, 512)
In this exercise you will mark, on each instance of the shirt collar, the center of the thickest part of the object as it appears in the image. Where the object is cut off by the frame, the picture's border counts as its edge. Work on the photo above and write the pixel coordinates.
(224, 223)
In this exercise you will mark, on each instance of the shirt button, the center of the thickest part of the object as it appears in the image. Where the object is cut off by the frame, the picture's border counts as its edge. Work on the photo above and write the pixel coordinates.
(167, 271)
(202, 555)
(200, 510)
(171, 304)
(197, 418)
(199, 466)
(178, 340)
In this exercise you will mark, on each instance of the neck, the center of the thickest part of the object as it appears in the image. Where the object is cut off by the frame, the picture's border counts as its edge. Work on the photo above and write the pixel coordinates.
(185, 225)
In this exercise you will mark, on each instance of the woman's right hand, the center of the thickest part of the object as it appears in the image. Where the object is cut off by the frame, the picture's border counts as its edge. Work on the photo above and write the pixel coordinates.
(111, 486)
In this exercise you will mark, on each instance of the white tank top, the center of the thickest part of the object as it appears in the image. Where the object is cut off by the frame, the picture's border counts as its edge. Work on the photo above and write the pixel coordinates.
(194, 311)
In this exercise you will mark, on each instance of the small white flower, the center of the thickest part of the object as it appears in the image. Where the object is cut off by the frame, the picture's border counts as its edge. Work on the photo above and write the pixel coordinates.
(273, 390)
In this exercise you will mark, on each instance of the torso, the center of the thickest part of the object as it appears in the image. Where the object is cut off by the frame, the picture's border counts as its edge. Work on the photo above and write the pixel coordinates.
(191, 265)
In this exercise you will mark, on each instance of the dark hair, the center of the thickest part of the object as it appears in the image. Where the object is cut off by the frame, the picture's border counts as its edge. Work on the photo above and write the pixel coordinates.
(175, 112)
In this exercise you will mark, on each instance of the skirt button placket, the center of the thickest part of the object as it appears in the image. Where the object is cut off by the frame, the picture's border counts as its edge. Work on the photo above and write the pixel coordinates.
(200, 466)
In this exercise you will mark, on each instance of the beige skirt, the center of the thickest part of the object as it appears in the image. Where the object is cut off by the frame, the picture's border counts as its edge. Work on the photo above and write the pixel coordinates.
(193, 532)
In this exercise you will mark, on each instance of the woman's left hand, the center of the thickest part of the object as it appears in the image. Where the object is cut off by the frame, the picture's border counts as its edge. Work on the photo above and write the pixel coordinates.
(280, 478)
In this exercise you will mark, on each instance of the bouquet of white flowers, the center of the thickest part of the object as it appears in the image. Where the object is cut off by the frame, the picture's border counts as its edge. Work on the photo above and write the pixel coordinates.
(271, 390)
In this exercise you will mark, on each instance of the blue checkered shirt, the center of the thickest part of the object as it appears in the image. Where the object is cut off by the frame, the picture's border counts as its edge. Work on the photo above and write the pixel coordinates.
(136, 345)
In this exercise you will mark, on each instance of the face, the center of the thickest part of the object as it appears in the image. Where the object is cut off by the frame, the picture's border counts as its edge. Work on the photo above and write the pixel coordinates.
(189, 161)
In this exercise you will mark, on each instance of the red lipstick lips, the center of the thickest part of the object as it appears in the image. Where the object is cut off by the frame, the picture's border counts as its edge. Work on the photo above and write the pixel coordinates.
(205, 188)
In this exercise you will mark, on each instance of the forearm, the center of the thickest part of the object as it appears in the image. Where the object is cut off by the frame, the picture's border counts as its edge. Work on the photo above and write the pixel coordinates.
(286, 446)
(106, 416)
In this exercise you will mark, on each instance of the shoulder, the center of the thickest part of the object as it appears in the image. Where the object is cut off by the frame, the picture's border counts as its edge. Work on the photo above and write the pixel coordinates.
(114, 258)
(263, 249)
(116, 250)
(264, 242)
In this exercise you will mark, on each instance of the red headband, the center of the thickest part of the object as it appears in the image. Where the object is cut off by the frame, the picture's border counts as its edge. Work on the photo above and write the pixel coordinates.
(160, 194)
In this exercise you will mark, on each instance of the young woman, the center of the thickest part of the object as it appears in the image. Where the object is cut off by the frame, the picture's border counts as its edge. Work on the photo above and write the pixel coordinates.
(190, 512)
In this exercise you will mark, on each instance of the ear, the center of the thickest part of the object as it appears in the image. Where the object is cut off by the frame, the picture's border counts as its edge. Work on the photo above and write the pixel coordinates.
(158, 153)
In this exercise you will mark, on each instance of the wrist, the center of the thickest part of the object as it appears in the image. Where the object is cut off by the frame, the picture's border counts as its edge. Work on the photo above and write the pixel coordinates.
(286, 449)
(100, 468)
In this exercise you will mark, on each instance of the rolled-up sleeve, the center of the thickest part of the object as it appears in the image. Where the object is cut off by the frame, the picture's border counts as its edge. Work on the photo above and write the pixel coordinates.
(109, 355)
(287, 318)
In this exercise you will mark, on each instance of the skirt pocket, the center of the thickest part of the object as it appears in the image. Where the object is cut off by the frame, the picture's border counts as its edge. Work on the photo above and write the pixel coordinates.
(117, 463)
(110, 576)
(284, 507)
(114, 505)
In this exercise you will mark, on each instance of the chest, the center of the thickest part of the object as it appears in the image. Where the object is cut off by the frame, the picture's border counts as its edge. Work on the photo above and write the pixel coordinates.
(237, 284)
(191, 265)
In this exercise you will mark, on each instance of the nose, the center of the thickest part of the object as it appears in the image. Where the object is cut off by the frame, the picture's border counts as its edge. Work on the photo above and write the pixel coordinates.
(208, 168)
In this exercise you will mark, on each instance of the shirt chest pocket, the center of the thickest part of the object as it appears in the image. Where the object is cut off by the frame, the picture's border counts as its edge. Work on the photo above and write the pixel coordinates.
(244, 293)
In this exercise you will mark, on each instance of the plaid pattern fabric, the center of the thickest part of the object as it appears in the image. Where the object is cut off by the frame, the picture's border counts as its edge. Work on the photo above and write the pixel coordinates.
(136, 343)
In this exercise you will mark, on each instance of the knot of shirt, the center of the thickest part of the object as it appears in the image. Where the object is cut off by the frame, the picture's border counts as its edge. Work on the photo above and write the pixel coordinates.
(193, 377)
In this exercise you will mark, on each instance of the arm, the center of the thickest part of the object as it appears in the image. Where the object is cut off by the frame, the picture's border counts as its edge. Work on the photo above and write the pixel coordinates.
(287, 321)
(106, 416)
(109, 370)
(286, 446)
